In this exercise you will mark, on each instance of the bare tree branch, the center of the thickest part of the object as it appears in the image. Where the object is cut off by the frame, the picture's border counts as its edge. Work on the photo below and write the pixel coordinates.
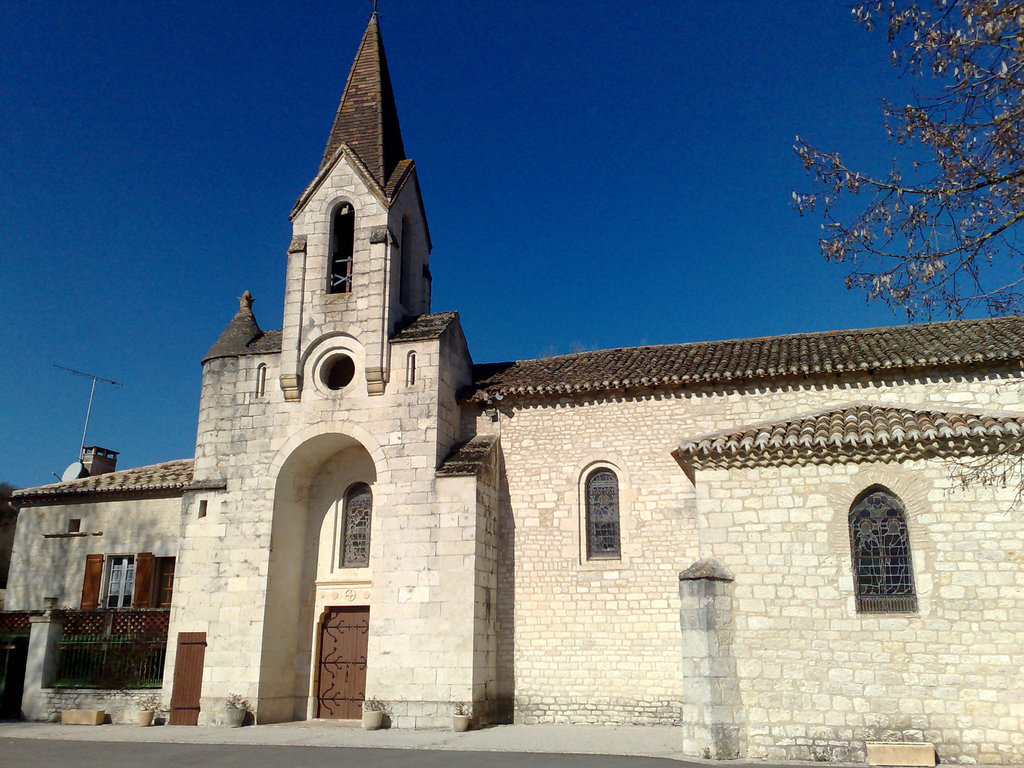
(939, 231)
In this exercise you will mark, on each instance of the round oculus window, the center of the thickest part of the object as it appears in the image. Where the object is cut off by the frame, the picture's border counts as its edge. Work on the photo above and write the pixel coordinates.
(337, 372)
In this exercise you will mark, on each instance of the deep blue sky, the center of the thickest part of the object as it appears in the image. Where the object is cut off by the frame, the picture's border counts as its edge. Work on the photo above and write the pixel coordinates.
(595, 174)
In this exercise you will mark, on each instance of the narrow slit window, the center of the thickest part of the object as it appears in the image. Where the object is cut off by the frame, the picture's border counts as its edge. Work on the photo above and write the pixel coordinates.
(355, 539)
(883, 569)
(602, 489)
(410, 369)
(343, 228)
(261, 380)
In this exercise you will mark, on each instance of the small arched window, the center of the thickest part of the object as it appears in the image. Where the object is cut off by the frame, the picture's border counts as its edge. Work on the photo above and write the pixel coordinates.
(410, 369)
(602, 490)
(343, 230)
(355, 537)
(883, 570)
(261, 380)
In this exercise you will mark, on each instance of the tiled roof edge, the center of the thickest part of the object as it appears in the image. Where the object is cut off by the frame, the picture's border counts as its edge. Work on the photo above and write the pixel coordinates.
(482, 392)
(133, 484)
(753, 445)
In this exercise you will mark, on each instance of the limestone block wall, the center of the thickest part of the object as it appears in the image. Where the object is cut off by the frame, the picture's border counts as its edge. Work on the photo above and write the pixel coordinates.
(243, 570)
(121, 707)
(817, 679)
(310, 311)
(600, 641)
(48, 561)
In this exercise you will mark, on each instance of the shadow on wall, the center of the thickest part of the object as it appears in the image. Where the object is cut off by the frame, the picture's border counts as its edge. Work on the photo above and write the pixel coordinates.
(504, 705)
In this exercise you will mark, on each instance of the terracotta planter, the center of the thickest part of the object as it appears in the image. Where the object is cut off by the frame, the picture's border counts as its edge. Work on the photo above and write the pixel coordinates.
(233, 717)
(144, 717)
(372, 719)
(460, 723)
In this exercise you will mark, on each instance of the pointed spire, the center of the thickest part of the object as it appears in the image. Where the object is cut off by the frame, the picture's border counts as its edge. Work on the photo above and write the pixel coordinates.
(367, 119)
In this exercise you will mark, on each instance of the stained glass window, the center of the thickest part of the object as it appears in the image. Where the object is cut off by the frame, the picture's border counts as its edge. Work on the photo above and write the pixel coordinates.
(355, 540)
(602, 515)
(882, 565)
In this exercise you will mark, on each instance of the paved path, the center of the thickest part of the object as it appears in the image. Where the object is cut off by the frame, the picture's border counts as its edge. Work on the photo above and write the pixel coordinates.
(90, 754)
(646, 741)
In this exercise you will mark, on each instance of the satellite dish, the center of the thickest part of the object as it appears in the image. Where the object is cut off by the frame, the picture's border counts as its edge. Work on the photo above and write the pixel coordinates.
(74, 471)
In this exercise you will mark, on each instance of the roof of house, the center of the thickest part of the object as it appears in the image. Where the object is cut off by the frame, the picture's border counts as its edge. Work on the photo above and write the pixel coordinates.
(367, 119)
(165, 476)
(951, 343)
(853, 429)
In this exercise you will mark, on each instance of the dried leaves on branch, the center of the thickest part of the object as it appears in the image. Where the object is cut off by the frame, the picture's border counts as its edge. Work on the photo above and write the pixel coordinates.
(941, 230)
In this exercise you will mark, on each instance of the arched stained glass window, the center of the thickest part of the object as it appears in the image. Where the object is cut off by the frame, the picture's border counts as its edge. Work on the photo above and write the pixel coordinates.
(602, 490)
(355, 538)
(880, 543)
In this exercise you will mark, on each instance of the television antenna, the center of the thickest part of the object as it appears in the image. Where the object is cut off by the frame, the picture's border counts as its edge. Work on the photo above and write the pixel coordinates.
(75, 469)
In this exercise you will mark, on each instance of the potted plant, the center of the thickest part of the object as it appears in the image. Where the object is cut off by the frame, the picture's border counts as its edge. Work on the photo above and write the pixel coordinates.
(237, 707)
(461, 715)
(148, 707)
(373, 714)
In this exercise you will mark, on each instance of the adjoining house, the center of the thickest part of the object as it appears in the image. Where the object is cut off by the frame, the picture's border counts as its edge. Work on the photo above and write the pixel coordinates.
(764, 541)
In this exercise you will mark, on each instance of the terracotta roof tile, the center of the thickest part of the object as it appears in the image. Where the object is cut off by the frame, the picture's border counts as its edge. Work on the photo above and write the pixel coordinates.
(959, 342)
(851, 429)
(166, 476)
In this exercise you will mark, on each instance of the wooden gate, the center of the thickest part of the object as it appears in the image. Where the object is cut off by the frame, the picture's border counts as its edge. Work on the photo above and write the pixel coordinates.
(188, 678)
(341, 678)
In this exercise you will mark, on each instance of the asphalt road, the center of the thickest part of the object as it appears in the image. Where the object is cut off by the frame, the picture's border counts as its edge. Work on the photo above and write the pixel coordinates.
(42, 753)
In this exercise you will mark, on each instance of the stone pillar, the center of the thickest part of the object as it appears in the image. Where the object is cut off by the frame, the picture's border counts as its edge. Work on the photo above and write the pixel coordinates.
(713, 720)
(41, 666)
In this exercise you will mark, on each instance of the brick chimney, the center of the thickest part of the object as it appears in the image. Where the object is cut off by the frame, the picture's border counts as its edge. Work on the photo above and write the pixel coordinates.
(98, 461)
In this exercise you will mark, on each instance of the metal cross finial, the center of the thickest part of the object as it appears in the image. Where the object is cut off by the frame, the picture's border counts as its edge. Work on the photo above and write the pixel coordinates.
(374, 7)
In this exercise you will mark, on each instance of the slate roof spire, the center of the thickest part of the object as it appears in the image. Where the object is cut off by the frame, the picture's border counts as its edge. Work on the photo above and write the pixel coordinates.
(367, 119)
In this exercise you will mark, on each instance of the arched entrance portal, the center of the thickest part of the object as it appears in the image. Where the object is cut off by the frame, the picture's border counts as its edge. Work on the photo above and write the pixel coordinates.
(313, 660)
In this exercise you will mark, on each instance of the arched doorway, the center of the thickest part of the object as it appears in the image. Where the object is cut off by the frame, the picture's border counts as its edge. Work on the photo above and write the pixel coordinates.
(311, 577)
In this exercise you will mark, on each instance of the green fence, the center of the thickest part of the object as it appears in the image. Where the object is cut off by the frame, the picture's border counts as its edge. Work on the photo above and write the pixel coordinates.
(110, 661)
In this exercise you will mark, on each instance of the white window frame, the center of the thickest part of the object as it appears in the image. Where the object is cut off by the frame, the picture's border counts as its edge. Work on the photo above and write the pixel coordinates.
(120, 586)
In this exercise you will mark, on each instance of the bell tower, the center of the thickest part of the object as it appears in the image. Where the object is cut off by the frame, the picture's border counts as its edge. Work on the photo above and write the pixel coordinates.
(357, 265)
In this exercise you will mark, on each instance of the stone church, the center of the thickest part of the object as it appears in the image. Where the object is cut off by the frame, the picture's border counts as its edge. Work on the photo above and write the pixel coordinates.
(768, 542)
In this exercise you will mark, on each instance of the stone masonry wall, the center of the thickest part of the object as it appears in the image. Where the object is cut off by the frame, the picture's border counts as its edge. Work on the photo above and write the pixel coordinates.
(599, 641)
(817, 678)
(50, 562)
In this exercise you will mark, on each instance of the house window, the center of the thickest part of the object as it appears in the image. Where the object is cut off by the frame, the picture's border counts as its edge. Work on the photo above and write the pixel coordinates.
(883, 570)
(602, 491)
(355, 539)
(343, 229)
(120, 581)
(261, 380)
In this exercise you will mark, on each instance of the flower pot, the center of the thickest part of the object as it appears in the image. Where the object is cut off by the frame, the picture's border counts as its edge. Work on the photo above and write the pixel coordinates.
(233, 717)
(372, 719)
(144, 717)
(460, 723)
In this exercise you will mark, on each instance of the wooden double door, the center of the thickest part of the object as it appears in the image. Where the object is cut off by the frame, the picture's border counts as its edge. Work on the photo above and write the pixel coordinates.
(341, 673)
